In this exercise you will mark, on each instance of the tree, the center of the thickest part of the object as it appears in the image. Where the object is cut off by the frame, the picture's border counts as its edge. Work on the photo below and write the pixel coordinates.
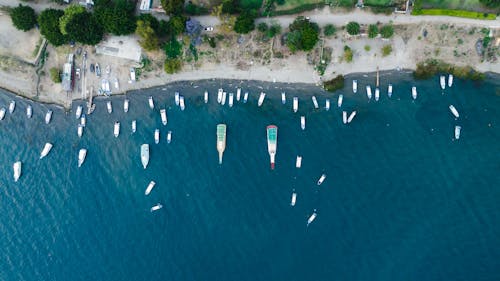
(245, 22)
(173, 49)
(178, 24)
(303, 35)
(148, 40)
(387, 31)
(329, 30)
(84, 28)
(262, 27)
(153, 22)
(23, 17)
(353, 28)
(172, 7)
(274, 30)
(490, 3)
(172, 65)
(372, 30)
(69, 13)
(116, 16)
(348, 54)
(49, 26)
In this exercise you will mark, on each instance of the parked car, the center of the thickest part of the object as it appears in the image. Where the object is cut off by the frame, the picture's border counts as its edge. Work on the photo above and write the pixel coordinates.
(209, 28)
(92, 67)
(97, 70)
(77, 73)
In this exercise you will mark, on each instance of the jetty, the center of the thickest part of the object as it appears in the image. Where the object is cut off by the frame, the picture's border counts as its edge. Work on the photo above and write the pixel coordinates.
(221, 140)
(90, 105)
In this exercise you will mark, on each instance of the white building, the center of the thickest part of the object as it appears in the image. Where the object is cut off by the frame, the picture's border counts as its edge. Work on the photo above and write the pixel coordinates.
(125, 47)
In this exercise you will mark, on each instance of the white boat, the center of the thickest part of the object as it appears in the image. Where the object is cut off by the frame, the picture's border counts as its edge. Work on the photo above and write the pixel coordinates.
(389, 90)
(78, 112)
(344, 117)
(181, 102)
(442, 81)
(134, 126)
(283, 97)
(221, 140)
(80, 130)
(145, 155)
(205, 97)
(149, 188)
(156, 207)
(109, 106)
(2, 113)
(298, 162)
(12, 106)
(312, 217)
(272, 141)
(454, 111)
(321, 179)
(116, 129)
(17, 170)
(169, 136)
(177, 98)
(125, 105)
(450, 80)
(157, 136)
(295, 104)
(48, 116)
(163, 114)
(377, 94)
(83, 120)
(294, 199)
(327, 104)
(340, 100)
(81, 156)
(151, 103)
(457, 132)
(219, 95)
(351, 116)
(231, 98)
(315, 102)
(414, 92)
(29, 111)
(238, 94)
(117, 85)
(261, 98)
(303, 122)
(245, 97)
(223, 100)
(369, 92)
(354, 86)
(46, 149)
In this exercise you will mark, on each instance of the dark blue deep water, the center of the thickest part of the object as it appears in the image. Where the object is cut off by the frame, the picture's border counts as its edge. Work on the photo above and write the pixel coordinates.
(402, 199)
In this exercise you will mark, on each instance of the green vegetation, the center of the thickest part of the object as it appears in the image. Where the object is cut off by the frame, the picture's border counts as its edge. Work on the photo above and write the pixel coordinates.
(386, 50)
(172, 65)
(348, 54)
(84, 28)
(48, 21)
(303, 35)
(245, 22)
(469, 5)
(194, 10)
(116, 16)
(262, 27)
(490, 3)
(177, 24)
(372, 31)
(23, 17)
(69, 13)
(387, 31)
(336, 83)
(173, 48)
(455, 13)
(55, 75)
(353, 28)
(274, 30)
(329, 30)
(250, 4)
(378, 2)
(367, 48)
(148, 39)
(172, 7)
(432, 67)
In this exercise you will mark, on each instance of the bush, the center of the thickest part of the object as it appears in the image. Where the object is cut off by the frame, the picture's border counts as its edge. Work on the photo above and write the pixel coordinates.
(262, 27)
(367, 48)
(274, 30)
(23, 17)
(211, 42)
(353, 28)
(348, 54)
(303, 35)
(173, 48)
(172, 65)
(432, 67)
(372, 30)
(116, 17)
(55, 75)
(84, 28)
(336, 83)
(49, 26)
(148, 39)
(386, 50)
(329, 30)
(245, 22)
(387, 31)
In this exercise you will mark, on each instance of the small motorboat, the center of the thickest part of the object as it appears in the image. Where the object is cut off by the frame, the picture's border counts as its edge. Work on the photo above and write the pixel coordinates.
(315, 102)
(83, 120)
(377, 94)
(231, 99)
(219, 95)
(169, 136)
(283, 97)
(117, 85)
(78, 112)
(116, 129)
(354, 86)
(205, 97)
(454, 111)
(312, 217)
(17, 170)
(156, 207)
(177, 99)
(145, 155)
(151, 102)
(48, 116)
(29, 111)
(442, 81)
(157, 136)
(351, 116)
(109, 107)
(261, 98)
(327, 104)
(295, 104)
(414, 92)
(2, 113)
(181, 102)
(344, 117)
(223, 101)
(12, 107)
(298, 162)
(245, 97)
(389, 90)
(163, 114)
(450, 80)
(80, 130)
(457, 132)
(108, 69)
(303, 122)
(125, 105)
(149, 188)
(46, 149)
(134, 126)
(369, 92)
(340, 100)
(294, 199)
(81, 156)
(321, 179)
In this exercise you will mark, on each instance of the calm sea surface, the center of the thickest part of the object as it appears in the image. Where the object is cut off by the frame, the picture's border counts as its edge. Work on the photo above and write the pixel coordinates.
(402, 199)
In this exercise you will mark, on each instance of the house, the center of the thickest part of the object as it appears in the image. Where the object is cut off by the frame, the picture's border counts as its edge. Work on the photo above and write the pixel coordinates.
(67, 76)
(125, 47)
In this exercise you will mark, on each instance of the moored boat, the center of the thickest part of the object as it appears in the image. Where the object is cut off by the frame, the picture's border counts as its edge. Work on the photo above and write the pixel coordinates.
(82, 154)
(298, 162)
(389, 90)
(377, 94)
(303, 122)
(156, 207)
(321, 179)
(134, 126)
(219, 96)
(340, 100)
(312, 217)
(442, 81)
(272, 139)
(83, 120)
(454, 111)
(283, 97)
(327, 104)
(457, 132)
(46, 149)
(169, 136)
(149, 188)
(109, 106)
(295, 104)
(205, 96)
(245, 97)
(354, 86)
(151, 102)
(125, 105)
(48, 116)
(231, 99)
(221, 140)
(78, 112)
(116, 129)
(369, 92)
(181, 102)
(238, 94)
(450, 80)
(315, 102)
(414, 92)
(12, 107)
(261, 98)
(145, 155)
(294, 199)
(163, 114)
(223, 101)
(2, 113)
(177, 98)
(157, 136)
(344, 117)
(17, 170)
(351, 116)
(79, 130)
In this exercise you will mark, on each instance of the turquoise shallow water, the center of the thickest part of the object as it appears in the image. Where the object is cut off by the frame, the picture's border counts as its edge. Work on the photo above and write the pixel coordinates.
(402, 199)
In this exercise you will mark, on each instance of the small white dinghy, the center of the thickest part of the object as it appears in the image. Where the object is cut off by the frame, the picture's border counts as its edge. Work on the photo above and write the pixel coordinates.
(81, 156)
(169, 136)
(238, 94)
(312, 217)
(450, 80)
(17, 170)
(125, 105)
(389, 90)
(79, 130)
(78, 112)
(454, 111)
(457, 132)
(414, 92)
(177, 99)
(315, 102)
(377, 94)
(442, 81)
(46, 149)
(369, 92)
(181, 102)
(156, 207)
(157, 136)
(134, 126)
(116, 129)
(295, 104)
(219, 95)
(29, 111)
(83, 120)
(48, 116)
(294, 199)
(321, 179)
(344, 117)
(340, 100)
(303, 122)
(163, 114)
(12, 107)
(2, 113)
(245, 97)
(223, 101)
(283, 98)
(109, 106)
(231, 99)
(349, 120)
(298, 162)
(149, 188)
(327, 104)
(261, 98)
(354, 86)
(205, 97)
(151, 102)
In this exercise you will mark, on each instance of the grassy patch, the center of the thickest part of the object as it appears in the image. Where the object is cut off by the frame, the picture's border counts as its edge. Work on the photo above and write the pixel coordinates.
(378, 2)
(251, 4)
(296, 9)
(455, 13)
(471, 5)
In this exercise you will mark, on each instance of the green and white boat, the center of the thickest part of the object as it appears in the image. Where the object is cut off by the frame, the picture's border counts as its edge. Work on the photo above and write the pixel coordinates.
(221, 140)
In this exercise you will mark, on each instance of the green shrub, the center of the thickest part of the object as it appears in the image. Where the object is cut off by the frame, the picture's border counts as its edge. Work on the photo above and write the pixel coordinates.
(55, 75)
(348, 54)
(454, 13)
(172, 65)
(245, 22)
(353, 28)
(367, 48)
(329, 30)
(303, 35)
(262, 27)
(372, 30)
(386, 50)
(336, 83)
(432, 67)
(387, 31)
(23, 17)
(211, 42)
(274, 30)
